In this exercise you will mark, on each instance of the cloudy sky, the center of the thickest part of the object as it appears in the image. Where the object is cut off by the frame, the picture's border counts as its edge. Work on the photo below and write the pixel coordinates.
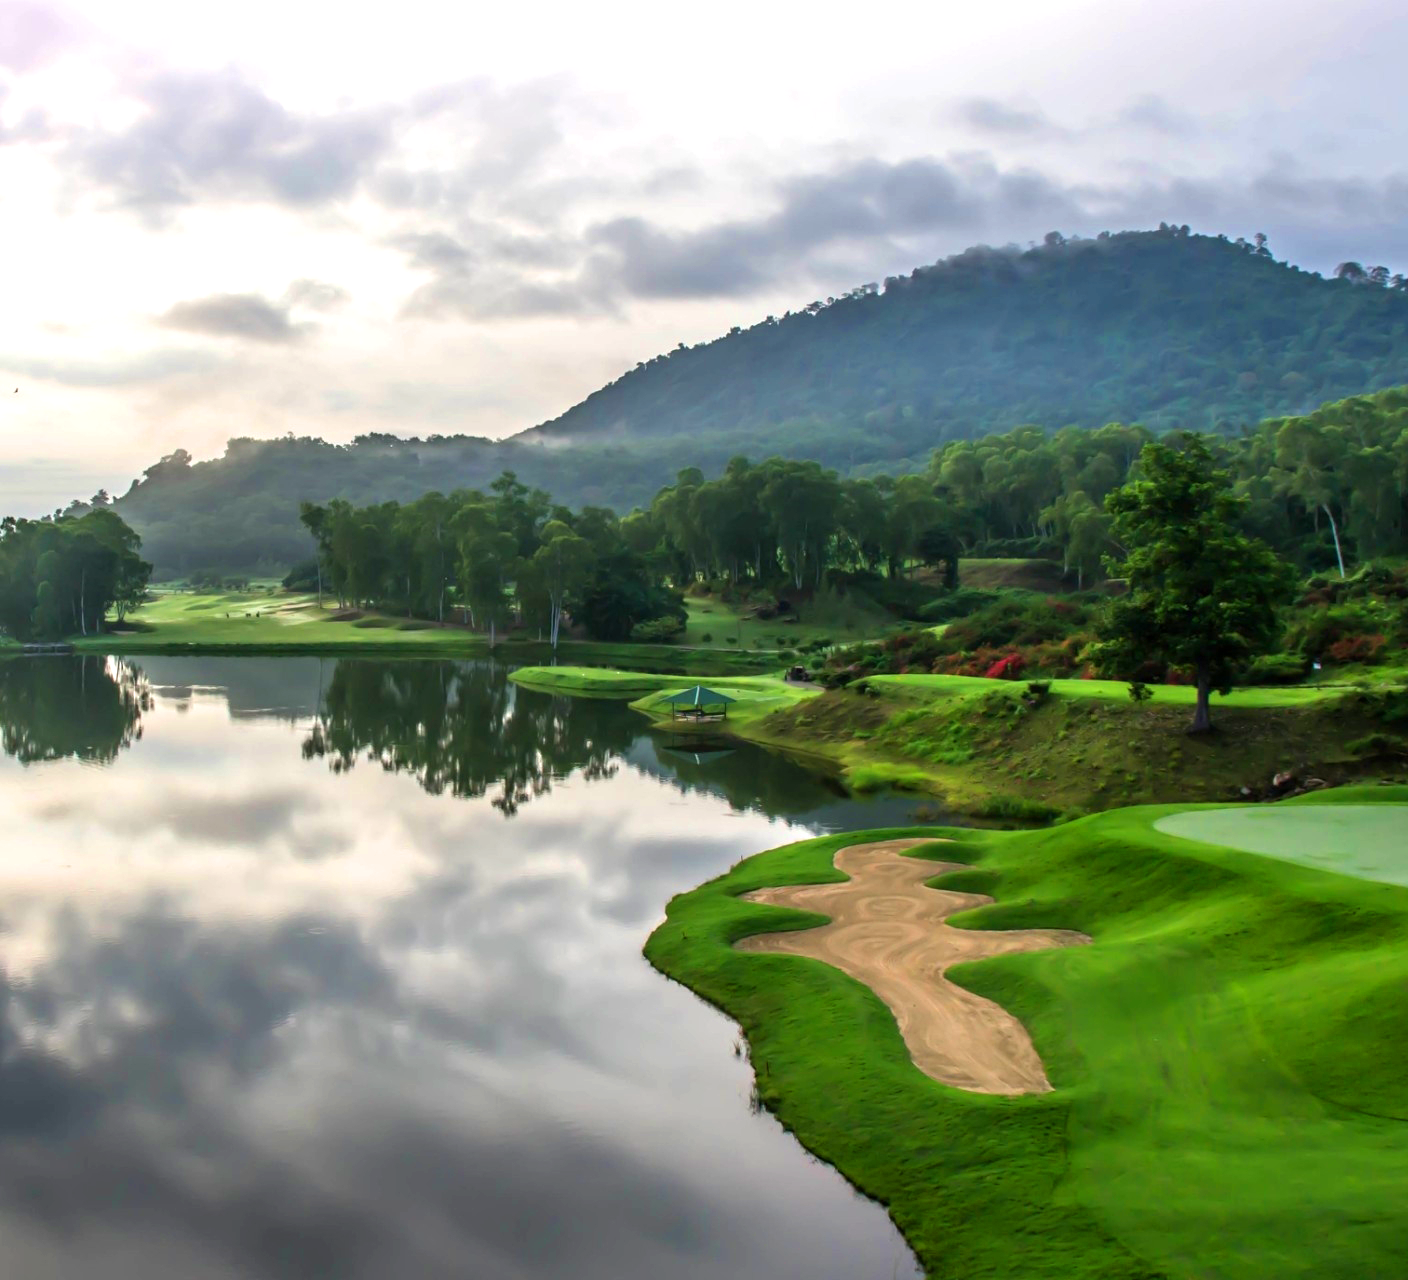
(298, 216)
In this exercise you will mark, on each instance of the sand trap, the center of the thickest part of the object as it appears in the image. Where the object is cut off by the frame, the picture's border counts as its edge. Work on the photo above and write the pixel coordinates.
(887, 930)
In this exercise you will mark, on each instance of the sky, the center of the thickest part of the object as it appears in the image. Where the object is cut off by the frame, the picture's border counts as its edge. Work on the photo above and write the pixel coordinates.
(318, 219)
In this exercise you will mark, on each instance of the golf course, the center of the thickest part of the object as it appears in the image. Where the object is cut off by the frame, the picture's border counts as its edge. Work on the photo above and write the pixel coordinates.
(1225, 1055)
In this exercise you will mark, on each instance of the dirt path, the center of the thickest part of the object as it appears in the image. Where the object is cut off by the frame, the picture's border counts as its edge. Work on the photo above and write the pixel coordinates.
(887, 930)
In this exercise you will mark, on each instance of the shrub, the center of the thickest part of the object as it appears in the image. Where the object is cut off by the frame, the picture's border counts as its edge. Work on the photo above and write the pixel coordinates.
(1038, 691)
(1278, 668)
(1139, 691)
(958, 603)
(1008, 667)
(1359, 648)
(662, 630)
(707, 638)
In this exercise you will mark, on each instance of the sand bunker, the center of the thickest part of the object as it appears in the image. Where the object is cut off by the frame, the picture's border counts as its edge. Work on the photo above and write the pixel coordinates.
(887, 930)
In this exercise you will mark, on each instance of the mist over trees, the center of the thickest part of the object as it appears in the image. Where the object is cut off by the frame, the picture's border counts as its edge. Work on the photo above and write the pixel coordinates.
(1161, 328)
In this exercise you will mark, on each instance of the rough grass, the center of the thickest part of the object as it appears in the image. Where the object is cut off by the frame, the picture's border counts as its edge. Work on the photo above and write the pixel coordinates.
(829, 617)
(1227, 1059)
(1028, 575)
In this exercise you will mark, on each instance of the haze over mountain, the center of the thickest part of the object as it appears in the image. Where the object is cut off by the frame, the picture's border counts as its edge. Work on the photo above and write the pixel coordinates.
(1162, 327)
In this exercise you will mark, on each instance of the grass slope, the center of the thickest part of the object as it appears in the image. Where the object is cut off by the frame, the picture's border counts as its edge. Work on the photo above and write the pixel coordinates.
(1229, 1102)
(985, 748)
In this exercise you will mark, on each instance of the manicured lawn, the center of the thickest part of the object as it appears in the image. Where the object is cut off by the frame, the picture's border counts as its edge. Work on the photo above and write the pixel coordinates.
(1365, 840)
(1172, 695)
(754, 696)
(270, 621)
(1227, 1055)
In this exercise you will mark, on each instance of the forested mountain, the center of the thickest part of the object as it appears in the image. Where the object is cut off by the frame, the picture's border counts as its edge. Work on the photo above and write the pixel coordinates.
(1161, 328)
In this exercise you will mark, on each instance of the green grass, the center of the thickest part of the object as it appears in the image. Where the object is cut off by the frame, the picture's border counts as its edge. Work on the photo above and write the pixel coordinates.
(1230, 1101)
(754, 696)
(1117, 690)
(830, 617)
(1369, 841)
(273, 621)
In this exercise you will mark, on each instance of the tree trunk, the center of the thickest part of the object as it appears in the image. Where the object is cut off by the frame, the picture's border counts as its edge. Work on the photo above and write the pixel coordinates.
(1202, 714)
(1334, 530)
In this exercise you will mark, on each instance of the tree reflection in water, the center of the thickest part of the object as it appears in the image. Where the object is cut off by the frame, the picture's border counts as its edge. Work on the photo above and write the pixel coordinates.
(463, 728)
(57, 708)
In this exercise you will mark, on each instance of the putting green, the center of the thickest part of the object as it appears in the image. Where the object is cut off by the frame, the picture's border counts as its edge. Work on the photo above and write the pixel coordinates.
(1369, 841)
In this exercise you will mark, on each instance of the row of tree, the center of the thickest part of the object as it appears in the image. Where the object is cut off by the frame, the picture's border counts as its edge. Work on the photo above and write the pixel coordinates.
(61, 576)
(1322, 490)
(489, 557)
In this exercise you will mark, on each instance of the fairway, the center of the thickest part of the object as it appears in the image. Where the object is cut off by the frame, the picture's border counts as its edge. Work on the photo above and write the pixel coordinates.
(1369, 841)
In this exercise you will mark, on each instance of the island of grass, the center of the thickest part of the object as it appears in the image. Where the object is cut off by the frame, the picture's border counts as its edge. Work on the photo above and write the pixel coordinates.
(1010, 749)
(1226, 1056)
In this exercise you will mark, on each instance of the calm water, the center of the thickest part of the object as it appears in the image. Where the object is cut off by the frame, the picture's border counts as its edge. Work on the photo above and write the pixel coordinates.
(327, 969)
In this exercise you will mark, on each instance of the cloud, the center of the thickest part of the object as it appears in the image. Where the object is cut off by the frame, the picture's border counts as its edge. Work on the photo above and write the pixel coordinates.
(233, 315)
(868, 202)
(315, 295)
(1154, 113)
(252, 317)
(488, 283)
(992, 116)
(147, 366)
(216, 136)
(32, 35)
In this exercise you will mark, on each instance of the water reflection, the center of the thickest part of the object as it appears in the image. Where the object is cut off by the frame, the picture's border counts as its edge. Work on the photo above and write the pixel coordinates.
(265, 1018)
(459, 727)
(54, 708)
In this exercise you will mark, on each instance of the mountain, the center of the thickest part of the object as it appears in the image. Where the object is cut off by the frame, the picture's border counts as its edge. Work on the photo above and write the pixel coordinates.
(1159, 327)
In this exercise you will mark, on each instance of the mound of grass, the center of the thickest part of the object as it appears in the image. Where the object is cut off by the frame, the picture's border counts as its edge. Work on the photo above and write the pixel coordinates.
(1227, 1058)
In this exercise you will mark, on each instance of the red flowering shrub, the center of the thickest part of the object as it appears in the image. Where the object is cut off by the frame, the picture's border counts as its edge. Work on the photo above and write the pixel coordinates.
(1359, 648)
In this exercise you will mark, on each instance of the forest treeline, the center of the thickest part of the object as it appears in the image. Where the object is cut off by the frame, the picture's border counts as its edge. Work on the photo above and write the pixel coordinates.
(1162, 328)
(62, 576)
(1336, 476)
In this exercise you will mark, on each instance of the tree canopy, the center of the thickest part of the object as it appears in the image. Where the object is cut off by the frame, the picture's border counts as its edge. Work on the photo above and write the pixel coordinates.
(61, 576)
(1201, 594)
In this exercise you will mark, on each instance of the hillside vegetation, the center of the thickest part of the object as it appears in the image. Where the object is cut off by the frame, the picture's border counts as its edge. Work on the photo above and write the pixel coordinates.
(1159, 328)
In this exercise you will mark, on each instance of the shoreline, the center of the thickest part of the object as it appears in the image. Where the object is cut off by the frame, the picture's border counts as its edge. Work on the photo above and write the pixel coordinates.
(1197, 1026)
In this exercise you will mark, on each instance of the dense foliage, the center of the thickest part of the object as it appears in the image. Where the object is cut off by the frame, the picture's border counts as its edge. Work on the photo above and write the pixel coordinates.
(508, 555)
(61, 576)
(1160, 328)
(1201, 594)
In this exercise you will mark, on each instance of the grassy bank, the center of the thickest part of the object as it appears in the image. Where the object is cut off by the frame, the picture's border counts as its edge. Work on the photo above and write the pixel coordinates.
(1229, 1101)
(754, 697)
(991, 748)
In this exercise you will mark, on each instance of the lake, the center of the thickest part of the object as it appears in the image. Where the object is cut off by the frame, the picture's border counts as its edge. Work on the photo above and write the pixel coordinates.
(326, 968)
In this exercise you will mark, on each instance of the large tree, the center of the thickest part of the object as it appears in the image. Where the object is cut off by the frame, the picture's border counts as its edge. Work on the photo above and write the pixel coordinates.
(1201, 593)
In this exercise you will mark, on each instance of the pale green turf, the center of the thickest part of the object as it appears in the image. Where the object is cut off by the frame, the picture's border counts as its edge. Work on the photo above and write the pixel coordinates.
(1177, 695)
(266, 620)
(1363, 840)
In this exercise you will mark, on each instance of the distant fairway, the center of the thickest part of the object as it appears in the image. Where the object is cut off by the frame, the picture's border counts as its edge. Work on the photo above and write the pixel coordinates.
(1365, 840)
